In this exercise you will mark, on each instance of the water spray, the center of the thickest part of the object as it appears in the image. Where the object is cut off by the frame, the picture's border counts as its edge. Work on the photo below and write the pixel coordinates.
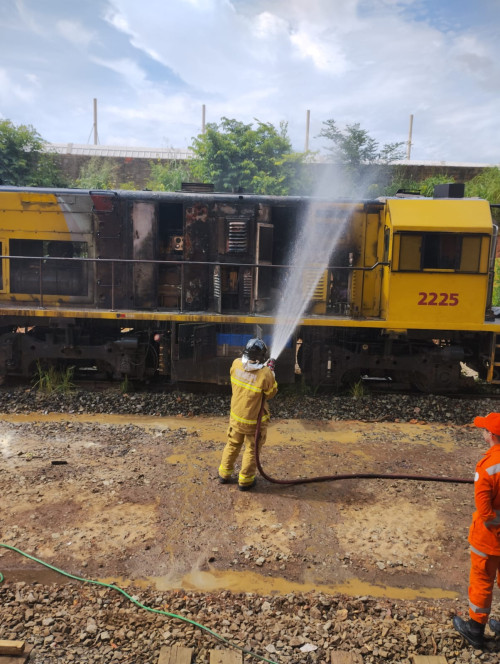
(310, 259)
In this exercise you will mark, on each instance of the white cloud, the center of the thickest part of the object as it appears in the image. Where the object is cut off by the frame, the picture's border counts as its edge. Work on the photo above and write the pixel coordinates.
(325, 57)
(10, 90)
(153, 64)
(74, 32)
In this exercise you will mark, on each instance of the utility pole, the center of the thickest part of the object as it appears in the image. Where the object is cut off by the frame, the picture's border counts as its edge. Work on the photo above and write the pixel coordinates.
(308, 122)
(408, 149)
(203, 119)
(96, 139)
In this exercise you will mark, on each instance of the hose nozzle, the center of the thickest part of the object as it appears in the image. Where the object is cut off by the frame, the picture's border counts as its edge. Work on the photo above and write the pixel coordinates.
(271, 363)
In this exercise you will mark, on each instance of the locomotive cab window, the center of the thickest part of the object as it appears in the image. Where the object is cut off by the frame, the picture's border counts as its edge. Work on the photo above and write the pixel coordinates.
(451, 252)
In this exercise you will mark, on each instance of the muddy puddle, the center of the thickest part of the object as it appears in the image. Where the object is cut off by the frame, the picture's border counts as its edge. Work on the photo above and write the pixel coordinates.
(141, 506)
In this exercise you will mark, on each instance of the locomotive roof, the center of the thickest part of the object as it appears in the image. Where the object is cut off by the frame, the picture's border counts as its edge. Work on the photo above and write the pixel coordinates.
(180, 196)
(449, 215)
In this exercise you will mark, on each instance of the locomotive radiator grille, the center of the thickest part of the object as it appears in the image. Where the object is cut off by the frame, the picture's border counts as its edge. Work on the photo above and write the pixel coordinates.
(319, 293)
(247, 284)
(237, 236)
(217, 283)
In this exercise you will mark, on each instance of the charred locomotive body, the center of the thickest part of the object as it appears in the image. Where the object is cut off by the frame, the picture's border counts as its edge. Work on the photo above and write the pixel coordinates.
(139, 283)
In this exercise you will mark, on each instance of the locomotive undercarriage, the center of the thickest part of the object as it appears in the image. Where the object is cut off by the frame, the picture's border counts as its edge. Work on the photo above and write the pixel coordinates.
(342, 358)
(330, 358)
(102, 351)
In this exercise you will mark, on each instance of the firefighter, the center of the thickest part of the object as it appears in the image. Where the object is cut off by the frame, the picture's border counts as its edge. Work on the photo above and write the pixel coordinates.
(484, 537)
(252, 380)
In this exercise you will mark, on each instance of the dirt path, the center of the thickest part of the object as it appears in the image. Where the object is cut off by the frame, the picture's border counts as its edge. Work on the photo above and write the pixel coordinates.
(136, 499)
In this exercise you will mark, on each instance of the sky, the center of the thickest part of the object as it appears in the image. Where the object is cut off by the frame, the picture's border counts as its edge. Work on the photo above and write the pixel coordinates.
(153, 64)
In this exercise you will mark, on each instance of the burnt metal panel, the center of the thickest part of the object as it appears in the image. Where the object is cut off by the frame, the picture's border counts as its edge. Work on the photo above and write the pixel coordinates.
(197, 342)
(110, 224)
(195, 287)
(144, 234)
(196, 243)
(196, 232)
(197, 354)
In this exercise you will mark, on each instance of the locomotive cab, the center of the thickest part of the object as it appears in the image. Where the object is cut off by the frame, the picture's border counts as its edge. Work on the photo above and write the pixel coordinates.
(439, 263)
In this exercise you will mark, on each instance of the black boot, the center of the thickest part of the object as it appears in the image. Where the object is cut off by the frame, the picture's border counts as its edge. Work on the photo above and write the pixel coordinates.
(472, 631)
(495, 626)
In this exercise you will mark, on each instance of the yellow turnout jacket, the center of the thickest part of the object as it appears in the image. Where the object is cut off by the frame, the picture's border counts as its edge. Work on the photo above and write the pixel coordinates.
(249, 385)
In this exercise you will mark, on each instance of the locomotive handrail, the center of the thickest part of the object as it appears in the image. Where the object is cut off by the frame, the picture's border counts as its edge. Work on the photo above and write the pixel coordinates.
(189, 262)
(182, 263)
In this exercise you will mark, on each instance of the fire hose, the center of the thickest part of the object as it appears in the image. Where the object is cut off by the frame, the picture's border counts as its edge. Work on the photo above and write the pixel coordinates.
(350, 476)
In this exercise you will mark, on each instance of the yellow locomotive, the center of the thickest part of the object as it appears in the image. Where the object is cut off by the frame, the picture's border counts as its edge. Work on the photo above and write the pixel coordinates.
(129, 283)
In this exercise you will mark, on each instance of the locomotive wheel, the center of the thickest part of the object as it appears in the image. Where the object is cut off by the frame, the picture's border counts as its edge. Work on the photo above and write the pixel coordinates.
(351, 378)
(441, 380)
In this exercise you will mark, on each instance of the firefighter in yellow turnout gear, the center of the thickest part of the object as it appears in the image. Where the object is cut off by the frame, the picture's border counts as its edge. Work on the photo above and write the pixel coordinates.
(251, 381)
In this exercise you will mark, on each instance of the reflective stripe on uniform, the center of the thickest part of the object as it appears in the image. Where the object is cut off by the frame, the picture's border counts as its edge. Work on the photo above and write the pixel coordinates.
(245, 421)
(479, 553)
(245, 479)
(246, 386)
(479, 609)
(493, 470)
(266, 392)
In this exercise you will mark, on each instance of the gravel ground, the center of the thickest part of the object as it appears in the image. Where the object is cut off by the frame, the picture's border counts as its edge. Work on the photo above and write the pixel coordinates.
(77, 622)
(388, 407)
(91, 624)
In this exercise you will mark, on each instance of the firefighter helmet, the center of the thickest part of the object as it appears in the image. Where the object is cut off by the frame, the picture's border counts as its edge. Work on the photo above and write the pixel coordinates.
(255, 350)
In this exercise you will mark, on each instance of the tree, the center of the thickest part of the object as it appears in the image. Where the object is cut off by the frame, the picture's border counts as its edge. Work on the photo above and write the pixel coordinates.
(23, 159)
(97, 173)
(485, 185)
(168, 177)
(421, 187)
(354, 147)
(236, 156)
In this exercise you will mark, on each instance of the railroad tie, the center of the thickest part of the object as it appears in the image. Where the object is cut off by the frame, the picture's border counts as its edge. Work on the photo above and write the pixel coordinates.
(175, 655)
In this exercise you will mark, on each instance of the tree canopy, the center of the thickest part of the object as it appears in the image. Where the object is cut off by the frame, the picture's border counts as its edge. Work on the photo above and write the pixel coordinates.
(23, 161)
(354, 147)
(168, 177)
(259, 159)
(97, 173)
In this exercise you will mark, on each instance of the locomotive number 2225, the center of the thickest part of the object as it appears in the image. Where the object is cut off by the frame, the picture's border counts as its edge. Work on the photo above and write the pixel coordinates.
(438, 299)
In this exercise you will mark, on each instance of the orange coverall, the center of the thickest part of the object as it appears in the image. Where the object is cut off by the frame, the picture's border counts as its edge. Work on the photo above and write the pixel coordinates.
(484, 536)
(248, 388)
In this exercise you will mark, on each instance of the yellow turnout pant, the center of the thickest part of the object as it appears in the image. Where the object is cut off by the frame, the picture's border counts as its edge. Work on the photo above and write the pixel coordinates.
(235, 441)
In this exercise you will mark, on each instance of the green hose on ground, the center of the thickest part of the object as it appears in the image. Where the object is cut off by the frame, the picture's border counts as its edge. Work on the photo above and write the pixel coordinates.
(134, 601)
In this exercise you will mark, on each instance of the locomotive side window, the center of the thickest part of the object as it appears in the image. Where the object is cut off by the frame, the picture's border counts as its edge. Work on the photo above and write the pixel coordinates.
(471, 253)
(57, 277)
(441, 251)
(409, 252)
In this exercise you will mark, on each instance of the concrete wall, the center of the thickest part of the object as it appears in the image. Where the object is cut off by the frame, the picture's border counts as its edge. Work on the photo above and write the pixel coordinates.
(137, 170)
(126, 169)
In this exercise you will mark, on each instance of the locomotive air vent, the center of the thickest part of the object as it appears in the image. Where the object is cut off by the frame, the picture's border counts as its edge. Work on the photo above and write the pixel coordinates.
(237, 235)
(200, 187)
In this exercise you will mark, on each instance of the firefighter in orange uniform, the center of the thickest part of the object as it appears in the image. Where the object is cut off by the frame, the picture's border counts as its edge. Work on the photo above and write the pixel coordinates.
(484, 537)
(251, 381)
